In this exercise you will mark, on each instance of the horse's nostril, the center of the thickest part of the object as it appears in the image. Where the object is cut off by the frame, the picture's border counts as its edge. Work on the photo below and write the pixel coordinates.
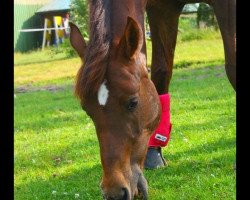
(123, 195)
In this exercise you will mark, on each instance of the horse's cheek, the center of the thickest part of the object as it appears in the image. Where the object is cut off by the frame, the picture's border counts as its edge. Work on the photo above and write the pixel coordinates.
(151, 109)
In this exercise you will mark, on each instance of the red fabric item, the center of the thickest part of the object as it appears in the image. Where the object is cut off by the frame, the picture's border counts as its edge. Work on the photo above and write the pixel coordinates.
(161, 135)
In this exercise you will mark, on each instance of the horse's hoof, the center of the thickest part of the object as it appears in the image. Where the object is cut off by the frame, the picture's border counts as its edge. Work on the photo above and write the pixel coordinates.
(154, 159)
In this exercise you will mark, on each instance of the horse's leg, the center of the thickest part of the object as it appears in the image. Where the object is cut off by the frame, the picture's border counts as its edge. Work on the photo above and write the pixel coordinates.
(163, 20)
(225, 12)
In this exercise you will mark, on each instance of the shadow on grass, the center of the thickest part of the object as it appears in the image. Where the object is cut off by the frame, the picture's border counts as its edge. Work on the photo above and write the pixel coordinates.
(185, 64)
(42, 61)
(186, 167)
(84, 181)
(53, 122)
(61, 118)
(205, 149)
(63, 169)
(52, 112)
(80, 182)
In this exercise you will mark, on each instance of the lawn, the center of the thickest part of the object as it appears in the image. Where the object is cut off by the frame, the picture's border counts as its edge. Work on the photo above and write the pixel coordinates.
(56, 152)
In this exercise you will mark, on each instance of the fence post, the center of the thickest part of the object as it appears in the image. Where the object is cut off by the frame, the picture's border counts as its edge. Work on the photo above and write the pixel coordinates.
(44, 32)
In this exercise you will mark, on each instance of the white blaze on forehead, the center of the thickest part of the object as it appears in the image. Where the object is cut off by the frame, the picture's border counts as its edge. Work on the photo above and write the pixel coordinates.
(103, 94)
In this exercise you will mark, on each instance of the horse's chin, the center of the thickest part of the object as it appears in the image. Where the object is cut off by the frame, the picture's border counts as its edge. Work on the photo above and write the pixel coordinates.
(142, 187)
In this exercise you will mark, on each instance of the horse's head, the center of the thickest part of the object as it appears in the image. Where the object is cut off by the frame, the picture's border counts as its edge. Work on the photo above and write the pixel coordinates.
(124, 108)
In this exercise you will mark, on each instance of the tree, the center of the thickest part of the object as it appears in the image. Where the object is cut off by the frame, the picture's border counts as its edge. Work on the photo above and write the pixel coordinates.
(80, 15)
(205, 16)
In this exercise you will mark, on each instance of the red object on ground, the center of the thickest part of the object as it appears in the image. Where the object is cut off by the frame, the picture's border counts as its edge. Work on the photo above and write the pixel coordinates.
(161, 135)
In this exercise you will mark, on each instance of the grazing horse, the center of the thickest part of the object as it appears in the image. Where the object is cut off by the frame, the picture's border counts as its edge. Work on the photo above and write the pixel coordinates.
(114, 87)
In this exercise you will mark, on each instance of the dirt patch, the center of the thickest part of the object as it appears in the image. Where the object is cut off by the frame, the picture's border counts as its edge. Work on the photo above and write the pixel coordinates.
(31, 88)
(54, 88)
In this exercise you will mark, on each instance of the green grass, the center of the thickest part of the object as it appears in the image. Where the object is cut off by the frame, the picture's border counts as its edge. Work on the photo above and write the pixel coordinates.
(56, 152)
(195, 53)
(201, 153)
(39, 56)
(46, 67)
(50, 72)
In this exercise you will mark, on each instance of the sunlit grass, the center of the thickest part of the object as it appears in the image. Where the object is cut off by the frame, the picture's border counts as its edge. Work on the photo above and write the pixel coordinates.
(38, 56)
(195, 53)
(188, 54)
(50, 72)
(56, 152)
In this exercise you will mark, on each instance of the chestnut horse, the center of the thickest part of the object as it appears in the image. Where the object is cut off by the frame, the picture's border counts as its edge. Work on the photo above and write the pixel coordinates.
(113, 83)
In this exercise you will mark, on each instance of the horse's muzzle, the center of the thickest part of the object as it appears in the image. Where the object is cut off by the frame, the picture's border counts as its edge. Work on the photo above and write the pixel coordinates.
(122, 194)
(142, 186)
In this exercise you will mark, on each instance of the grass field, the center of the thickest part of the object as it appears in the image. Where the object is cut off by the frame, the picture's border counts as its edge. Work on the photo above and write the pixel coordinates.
(56, 152)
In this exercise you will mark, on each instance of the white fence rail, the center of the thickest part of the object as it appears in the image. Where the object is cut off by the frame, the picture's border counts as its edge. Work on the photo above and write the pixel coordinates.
(42, 29)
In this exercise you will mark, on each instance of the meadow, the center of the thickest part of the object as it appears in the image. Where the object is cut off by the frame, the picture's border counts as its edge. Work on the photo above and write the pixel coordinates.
(56, 152)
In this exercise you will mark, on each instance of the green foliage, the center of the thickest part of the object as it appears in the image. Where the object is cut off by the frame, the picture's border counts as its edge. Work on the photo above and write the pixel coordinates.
(187, 22)
(205, 13)
(65, 48)
(79, 15)
(70, 52)
(188, 30)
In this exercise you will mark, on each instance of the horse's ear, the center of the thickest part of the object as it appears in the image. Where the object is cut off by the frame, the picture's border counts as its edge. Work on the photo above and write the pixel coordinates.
(77, 41)
(132, 39)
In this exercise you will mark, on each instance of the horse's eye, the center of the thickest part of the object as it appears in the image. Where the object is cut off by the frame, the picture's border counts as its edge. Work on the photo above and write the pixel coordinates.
(132, 104)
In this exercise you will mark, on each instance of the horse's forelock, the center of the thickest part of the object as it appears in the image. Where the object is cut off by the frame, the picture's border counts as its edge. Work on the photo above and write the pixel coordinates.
(92, 73)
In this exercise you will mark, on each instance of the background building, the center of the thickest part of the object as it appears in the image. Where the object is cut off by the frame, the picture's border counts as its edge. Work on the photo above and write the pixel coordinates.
(31, 14)
(25, 18)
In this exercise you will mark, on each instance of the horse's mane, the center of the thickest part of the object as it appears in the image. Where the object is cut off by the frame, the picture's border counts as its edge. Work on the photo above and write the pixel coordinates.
(92, 72)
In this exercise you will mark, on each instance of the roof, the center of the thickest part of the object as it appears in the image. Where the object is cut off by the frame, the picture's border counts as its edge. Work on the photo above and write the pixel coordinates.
(190, 8)
(55, 5)
(31, 2)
